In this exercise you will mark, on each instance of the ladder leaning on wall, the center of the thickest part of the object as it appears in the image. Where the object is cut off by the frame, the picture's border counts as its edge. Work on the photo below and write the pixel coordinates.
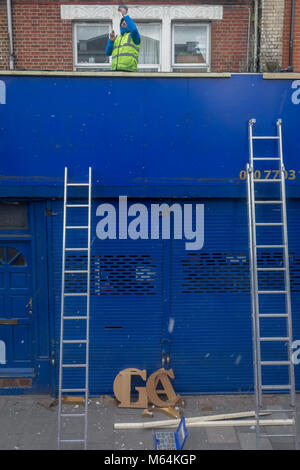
(70, 317)
(257, 199)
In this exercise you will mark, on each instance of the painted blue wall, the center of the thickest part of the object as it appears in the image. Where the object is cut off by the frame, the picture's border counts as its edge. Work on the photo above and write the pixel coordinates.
(152, 136)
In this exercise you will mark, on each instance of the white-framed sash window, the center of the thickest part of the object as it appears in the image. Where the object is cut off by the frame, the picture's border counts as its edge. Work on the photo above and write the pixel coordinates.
(190, 47)
(89, 43)
(150, 50)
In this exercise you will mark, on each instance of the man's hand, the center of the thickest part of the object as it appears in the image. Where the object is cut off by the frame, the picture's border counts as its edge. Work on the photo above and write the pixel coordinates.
(123, 11)
(112, 36)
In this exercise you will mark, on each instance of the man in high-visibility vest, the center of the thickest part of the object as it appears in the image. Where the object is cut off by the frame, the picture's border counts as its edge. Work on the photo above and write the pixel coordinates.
(124, 48)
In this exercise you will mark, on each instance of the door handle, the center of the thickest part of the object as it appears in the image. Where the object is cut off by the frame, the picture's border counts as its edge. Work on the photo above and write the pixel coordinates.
(30, 305)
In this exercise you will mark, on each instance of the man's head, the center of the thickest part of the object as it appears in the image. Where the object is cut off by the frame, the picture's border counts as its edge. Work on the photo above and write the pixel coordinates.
(123, 9)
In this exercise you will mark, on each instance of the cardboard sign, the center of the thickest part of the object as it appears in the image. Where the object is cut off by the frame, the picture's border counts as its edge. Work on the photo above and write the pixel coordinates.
(161, 378)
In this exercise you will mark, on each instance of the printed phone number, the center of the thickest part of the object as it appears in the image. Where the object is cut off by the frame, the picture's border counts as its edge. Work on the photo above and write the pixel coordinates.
(270, 174)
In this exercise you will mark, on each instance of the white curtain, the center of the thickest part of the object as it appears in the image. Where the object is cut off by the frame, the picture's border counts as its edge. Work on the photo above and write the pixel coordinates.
(150, 43)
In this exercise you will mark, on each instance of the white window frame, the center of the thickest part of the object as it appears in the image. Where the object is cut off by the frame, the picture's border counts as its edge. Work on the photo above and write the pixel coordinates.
(78, 65)
(206, 65)
(142, 67)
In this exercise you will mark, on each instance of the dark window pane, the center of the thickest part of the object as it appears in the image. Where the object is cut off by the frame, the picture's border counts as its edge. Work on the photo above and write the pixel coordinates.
(13, 215)
(19, 261)
(190, 44)
(91, 44)
(10, 253)
(2, 255)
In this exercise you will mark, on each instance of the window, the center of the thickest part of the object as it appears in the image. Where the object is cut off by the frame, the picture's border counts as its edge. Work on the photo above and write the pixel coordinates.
(190, 47)
(9, 255)
(90, 41)
(149, 56)
(13, 216)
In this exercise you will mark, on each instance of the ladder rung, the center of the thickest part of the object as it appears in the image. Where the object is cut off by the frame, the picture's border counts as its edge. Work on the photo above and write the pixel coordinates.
(71, 294)
(73, 227)
(70, 341)
(273, 315)
(77, 205)
(268, 202)
(73, 389)
(72, 440)
(268, 224)
(279, 435)
(272, 292)
(272, 410)
(72, 415)
(74, 271)
(274, 338)
(265, 137)
(275, 363)
(74, 365)
(276, 387)
(266, 158)
(77, 184)
(264, 180)
(76, 249)
(75, 318)
(269, 246)
(271, 269)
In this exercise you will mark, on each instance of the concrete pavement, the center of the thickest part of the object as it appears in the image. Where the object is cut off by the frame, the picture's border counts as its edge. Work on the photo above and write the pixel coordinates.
(28, 423)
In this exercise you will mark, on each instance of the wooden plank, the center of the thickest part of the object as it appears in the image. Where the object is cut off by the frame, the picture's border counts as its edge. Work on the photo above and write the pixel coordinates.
(210, 424)
(175, 422)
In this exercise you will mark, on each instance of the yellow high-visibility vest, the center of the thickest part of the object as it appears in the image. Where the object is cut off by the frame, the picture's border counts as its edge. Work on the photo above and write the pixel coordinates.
(125, 54)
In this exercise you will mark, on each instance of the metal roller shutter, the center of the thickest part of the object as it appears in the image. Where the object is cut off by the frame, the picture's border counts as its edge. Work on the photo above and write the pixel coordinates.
(154, 300)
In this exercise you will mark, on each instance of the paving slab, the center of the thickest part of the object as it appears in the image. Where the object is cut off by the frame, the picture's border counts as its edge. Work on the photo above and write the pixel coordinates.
(223, 435)
(248, 441)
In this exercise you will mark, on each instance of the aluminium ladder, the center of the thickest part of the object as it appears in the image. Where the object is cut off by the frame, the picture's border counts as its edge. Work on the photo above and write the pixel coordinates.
(71, 318)
(254, 185)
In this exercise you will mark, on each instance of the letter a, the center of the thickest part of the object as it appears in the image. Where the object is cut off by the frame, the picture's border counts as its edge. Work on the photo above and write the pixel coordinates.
(162, 376)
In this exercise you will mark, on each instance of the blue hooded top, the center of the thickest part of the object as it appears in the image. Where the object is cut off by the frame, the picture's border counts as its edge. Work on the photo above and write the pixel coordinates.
(131, 28)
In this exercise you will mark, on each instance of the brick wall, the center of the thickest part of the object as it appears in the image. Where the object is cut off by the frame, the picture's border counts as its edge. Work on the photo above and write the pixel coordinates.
(229, 38)
(272, 20)
(286, 36)
(42, 41)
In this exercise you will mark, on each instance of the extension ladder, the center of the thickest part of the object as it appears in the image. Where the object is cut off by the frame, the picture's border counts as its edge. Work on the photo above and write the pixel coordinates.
(254, 185)
(66, 317)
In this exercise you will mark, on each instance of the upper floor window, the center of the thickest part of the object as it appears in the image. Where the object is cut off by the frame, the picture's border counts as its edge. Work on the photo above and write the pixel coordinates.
(149, 56)
(190, 47)
(90, 41)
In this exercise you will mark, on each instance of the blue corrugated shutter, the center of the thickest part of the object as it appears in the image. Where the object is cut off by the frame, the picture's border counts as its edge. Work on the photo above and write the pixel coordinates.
(126, 302)
(150, 297)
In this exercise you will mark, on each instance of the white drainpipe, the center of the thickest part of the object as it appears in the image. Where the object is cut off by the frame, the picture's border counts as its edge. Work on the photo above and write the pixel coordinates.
(10, 35)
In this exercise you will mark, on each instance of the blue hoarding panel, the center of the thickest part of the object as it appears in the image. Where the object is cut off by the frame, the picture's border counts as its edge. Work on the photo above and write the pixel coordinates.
(147, 134)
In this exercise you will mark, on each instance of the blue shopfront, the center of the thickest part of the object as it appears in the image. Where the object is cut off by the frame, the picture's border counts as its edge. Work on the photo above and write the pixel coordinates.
(155, 300)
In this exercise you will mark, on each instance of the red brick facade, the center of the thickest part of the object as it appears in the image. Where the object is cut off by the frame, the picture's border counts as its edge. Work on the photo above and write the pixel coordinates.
(230, 44)
(296, 37)
(42, 41)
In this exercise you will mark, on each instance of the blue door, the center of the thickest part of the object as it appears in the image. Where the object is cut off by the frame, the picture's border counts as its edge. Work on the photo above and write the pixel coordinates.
(16, 310)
